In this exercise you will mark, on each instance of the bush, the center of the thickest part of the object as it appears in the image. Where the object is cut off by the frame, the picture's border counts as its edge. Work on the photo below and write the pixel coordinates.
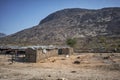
(71, 42)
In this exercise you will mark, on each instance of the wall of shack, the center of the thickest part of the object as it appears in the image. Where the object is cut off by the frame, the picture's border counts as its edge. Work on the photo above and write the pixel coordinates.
(30, 55)
(37, 54)
(49, 53)
(65, 51)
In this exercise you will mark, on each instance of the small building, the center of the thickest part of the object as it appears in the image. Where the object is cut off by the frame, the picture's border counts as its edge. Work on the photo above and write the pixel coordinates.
(37, 54)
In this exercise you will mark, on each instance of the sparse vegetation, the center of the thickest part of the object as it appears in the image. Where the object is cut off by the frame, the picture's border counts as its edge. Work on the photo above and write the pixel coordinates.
(99, 44)
(71, 42)
(92, 29)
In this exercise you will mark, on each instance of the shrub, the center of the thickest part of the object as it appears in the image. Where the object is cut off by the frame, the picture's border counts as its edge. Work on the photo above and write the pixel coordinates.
(71, 42)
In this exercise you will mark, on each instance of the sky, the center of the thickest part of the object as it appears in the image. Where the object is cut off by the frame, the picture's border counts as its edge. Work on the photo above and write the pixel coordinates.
(16, 15)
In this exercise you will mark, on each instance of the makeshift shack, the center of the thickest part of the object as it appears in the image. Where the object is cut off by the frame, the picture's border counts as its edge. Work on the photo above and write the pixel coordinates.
(37, 54)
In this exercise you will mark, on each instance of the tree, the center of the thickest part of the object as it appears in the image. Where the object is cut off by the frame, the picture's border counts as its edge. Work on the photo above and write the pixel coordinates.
(71, 42)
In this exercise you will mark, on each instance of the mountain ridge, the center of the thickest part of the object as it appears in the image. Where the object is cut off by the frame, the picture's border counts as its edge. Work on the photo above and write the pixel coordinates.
(69, 23)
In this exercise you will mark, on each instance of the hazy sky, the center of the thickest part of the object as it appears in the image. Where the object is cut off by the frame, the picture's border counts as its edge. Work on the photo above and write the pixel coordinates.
(16, 15)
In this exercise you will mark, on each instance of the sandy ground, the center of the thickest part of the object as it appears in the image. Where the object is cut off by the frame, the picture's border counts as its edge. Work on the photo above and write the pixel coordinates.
(87, 66)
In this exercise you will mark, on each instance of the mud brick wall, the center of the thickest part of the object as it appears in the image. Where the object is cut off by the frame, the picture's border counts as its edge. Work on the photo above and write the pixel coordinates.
(30, 55)
(71, 51)
(67, 51)
(37, 54)
(49, 53)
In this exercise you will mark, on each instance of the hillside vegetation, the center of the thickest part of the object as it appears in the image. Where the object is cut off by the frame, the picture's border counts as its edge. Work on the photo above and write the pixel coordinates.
(92, 28)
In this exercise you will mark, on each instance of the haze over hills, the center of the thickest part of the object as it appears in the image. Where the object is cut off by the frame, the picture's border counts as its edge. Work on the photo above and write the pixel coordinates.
(2, 34)
(70, 23)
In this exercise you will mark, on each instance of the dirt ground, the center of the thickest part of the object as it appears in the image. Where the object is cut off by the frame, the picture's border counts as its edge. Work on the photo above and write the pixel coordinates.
(84, 66)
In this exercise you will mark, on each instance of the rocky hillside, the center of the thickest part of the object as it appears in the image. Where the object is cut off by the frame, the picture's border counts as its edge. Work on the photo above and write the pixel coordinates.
(69, 23)
(2, 34)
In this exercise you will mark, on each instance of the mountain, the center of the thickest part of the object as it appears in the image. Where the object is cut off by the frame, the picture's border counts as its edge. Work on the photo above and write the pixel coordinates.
(70, 23)
(2, 35)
